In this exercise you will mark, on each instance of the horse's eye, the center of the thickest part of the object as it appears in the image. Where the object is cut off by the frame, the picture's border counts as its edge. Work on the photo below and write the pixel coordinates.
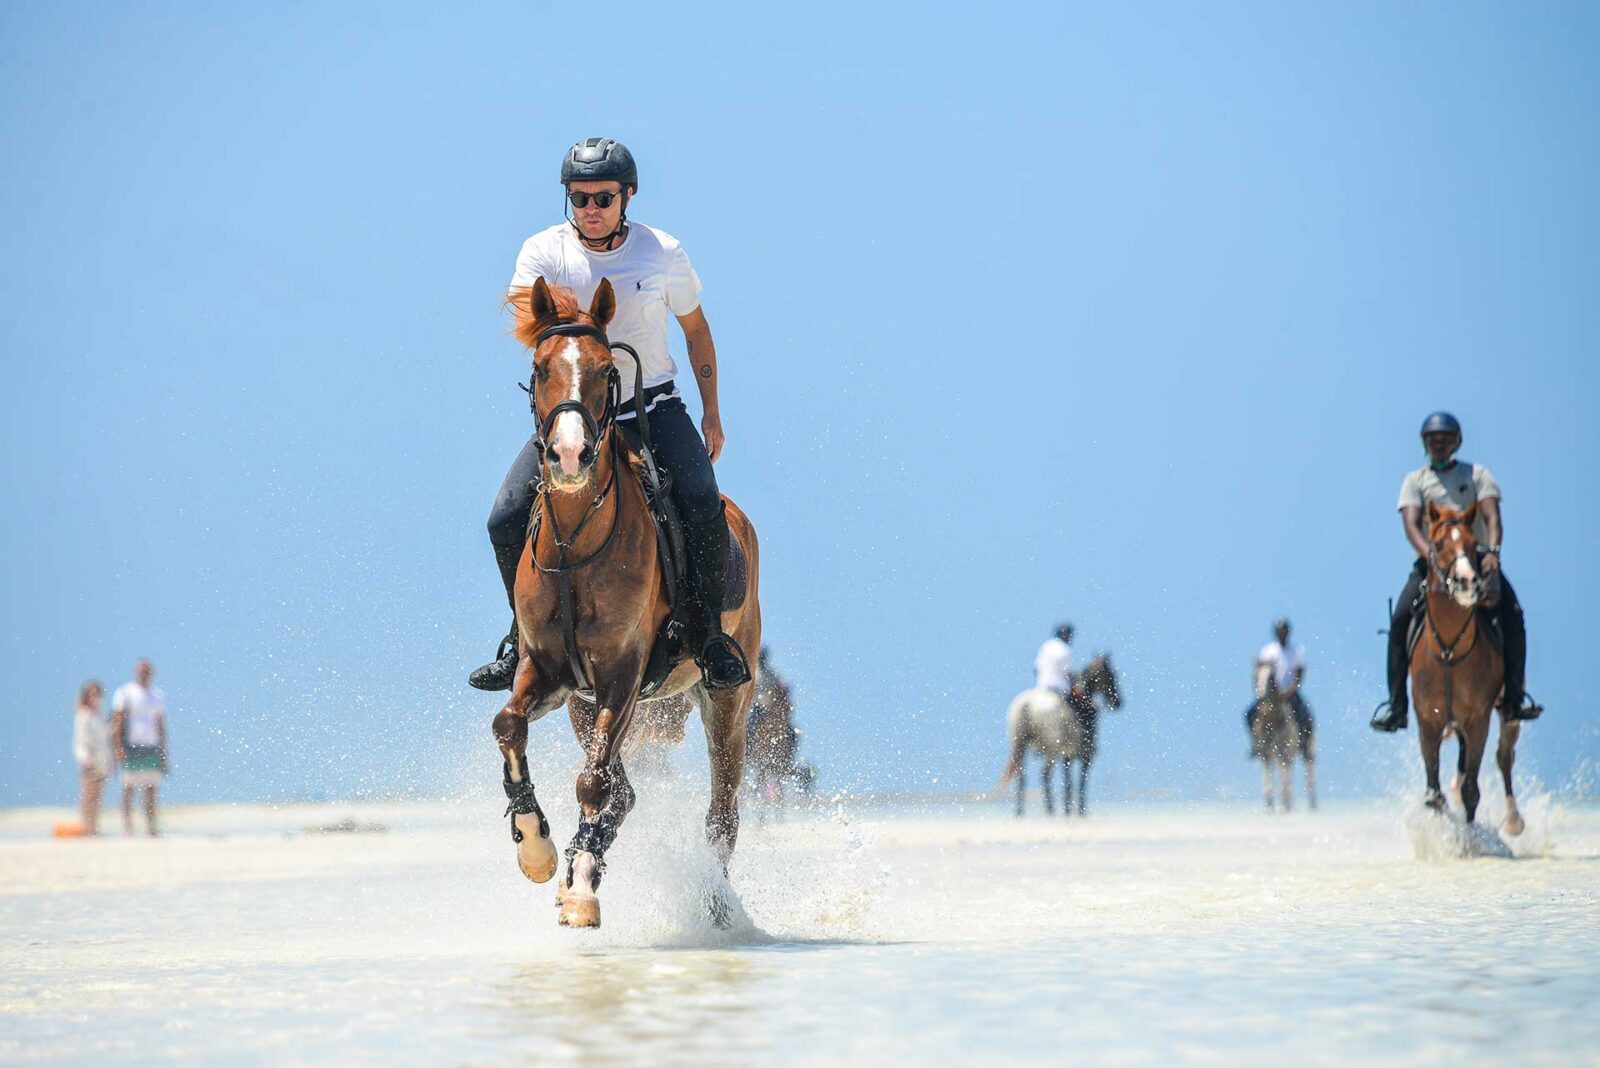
(540, 374)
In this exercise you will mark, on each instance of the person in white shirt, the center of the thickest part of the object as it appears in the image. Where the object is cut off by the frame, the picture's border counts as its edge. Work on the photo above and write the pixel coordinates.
(1052, 667)
(139, 732)
(91, 747)
(654, 284)
(1280, 670)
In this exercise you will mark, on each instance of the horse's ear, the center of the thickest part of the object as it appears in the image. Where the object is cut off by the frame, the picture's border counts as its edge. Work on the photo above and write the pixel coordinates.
(604, 305)
(541, 304)
(1433, 513)
(1470, 514)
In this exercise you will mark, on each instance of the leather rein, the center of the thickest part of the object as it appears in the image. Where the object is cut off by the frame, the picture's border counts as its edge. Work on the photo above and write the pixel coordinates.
(1446, 654)
(602, 431)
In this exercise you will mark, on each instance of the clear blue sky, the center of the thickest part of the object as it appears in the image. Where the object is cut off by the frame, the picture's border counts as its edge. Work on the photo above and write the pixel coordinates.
(1122, 314)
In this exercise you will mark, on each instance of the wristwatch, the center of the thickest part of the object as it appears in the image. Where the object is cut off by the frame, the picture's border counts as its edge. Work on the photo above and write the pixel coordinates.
(1492, 550)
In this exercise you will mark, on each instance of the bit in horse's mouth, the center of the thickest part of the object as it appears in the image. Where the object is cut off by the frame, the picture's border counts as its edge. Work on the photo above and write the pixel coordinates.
(569, 483)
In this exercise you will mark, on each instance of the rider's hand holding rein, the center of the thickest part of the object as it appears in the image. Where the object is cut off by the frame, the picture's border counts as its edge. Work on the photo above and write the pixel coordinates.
(703, 358)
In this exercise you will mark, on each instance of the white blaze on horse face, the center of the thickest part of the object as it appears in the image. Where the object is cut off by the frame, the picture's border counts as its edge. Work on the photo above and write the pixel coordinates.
(566, 437)
(1464, 581)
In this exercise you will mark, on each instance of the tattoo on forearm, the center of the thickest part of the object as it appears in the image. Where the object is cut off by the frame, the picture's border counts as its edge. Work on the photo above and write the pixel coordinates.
(705, 370)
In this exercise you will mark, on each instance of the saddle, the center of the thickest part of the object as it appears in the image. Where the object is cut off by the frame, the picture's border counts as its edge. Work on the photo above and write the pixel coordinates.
(670, 647)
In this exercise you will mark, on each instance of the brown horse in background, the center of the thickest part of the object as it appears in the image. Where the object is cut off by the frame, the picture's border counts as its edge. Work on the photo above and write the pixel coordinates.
(1457, 670)
(773, 753)
(592, 531)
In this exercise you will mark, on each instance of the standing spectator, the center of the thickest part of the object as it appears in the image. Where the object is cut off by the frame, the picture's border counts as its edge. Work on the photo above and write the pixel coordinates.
(91, 745)
(139, 730)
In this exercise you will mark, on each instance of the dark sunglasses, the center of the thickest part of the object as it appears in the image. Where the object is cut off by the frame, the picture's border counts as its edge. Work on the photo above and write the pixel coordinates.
(601, 200)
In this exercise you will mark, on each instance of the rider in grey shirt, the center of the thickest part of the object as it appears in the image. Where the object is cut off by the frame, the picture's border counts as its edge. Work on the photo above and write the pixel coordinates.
(1451, 483)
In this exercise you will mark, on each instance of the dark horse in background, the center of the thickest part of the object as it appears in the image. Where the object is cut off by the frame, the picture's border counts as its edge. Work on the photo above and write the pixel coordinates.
(1098, 681)
(1065, 729)
(772, 753)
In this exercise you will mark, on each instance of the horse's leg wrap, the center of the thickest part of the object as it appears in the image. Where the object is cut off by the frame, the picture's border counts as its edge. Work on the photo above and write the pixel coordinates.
(595, 837)
(523, 803)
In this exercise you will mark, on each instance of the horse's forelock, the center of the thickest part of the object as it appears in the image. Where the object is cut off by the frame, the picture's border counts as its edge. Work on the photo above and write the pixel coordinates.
(526, 327)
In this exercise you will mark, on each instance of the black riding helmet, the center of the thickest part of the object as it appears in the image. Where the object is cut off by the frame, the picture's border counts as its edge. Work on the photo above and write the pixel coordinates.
(1064, 631)
(600, 159)
(1441, 422)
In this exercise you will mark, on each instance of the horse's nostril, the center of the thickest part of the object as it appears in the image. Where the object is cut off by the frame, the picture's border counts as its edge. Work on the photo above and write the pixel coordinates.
(586, 455)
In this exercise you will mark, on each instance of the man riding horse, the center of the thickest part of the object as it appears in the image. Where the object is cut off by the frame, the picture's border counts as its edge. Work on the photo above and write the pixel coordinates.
(1280, 670)
(1445, 481)
(652, 277)
(1052, 667)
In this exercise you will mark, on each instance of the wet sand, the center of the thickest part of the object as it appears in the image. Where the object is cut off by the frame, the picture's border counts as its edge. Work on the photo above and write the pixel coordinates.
(936, 933)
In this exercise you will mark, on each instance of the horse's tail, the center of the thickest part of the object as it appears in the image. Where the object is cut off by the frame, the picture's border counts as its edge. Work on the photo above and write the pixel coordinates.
(1019, 740)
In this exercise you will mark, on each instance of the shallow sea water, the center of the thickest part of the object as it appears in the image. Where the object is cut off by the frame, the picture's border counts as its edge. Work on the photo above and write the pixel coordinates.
(945, 933)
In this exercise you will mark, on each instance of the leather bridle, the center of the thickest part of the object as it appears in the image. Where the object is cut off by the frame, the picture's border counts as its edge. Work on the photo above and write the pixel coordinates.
(598, 430)
(593, 428)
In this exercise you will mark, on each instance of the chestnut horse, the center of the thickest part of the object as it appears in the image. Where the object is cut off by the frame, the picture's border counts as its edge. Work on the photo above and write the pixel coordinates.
(1456, 668)
(591, 597)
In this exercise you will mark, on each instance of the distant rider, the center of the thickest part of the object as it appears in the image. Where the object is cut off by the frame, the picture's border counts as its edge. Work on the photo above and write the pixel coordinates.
(653, 280)
(1451, 483)
(773, 696)
(1282, 668)
(1052, 668)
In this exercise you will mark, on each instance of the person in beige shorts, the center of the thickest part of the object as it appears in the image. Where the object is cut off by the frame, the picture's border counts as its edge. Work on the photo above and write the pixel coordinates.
(91, 748)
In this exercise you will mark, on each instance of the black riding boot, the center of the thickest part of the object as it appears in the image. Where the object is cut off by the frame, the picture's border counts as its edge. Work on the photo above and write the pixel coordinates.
(1392, 715)
(722, 662)
(1515, 635)
(498, 673)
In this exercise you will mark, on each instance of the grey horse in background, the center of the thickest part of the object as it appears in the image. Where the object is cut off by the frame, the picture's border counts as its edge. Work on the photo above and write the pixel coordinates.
(1060, 727)
(1280, 729)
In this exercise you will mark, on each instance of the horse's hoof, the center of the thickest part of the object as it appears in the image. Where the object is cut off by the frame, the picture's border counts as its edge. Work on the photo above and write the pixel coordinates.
(536, 854)
(580, 910)
(719, 912)
(1513, 824)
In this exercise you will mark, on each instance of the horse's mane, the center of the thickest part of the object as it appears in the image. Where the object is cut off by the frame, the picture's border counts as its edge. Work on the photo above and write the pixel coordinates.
(526, 328)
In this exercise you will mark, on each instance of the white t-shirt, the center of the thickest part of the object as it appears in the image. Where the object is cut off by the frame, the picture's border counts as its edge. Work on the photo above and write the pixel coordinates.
(1284, 662)
(143, 712)
(1053, 666)
(651, 275)
(91, 742)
